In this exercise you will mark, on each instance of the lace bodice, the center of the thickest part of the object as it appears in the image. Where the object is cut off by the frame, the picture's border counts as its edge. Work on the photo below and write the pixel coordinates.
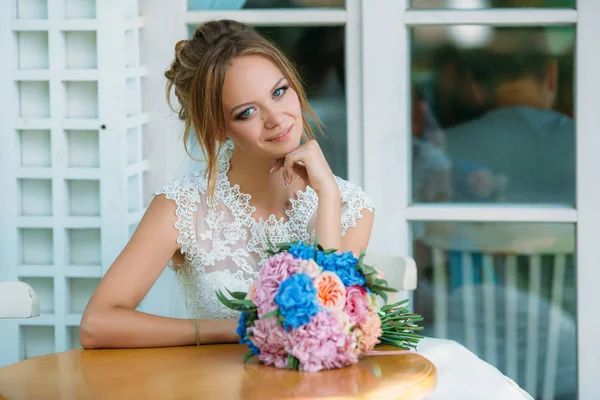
(224, 246)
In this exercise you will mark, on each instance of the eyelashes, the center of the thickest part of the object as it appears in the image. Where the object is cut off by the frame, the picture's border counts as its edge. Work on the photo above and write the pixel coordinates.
(278, 93)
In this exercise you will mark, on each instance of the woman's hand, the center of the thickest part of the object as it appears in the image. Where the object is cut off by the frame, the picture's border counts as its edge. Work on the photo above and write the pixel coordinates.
(309, 163)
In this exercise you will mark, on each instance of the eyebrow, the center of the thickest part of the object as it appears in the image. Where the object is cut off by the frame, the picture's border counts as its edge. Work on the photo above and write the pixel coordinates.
(247, 104)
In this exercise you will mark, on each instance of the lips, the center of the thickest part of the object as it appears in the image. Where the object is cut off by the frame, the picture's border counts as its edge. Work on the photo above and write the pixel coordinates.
(280, 134)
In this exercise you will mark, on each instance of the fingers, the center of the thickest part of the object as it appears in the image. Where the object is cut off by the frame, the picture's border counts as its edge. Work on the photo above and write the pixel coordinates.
(296, 162)
(290, 161)
(277, 164)
(301, 171)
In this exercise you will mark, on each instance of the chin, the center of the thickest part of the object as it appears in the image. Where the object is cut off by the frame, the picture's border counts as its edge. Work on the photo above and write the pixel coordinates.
(280, 149)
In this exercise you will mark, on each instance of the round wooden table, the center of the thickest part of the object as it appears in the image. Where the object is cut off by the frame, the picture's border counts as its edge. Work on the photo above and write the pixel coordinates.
(207, 372)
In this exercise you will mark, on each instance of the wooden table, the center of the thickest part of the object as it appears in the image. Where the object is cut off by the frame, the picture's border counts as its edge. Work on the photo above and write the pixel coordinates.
(207, 372)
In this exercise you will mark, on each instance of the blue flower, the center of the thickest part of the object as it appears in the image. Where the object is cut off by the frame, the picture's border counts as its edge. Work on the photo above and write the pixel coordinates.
(299, 250)
(241, 331)
(344, 265)
(297, 300)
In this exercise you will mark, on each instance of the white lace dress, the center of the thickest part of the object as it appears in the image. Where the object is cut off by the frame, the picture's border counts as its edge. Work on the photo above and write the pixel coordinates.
(224, 246)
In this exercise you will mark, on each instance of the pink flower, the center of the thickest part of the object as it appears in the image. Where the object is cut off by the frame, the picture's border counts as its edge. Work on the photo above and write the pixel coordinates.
(278, 360)
(322, 344)
(269, 336)
(357, 303)
(368, 333)
(331, 292)
(277, 269)
(310, 268)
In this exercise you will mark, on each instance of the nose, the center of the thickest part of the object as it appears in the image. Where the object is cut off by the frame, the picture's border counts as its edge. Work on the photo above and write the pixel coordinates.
(272, 117)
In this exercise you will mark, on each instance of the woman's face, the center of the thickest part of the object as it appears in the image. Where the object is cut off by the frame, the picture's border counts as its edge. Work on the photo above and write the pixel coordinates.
(262, 112)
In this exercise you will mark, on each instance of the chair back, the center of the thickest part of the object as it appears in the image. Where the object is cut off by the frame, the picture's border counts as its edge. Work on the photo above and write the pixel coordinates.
(18, 300)
(400, 273)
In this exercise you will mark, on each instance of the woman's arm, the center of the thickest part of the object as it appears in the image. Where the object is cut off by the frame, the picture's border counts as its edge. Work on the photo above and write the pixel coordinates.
(309, 163)
(357, 238)
(329, 212)
(328, 226)
(110, 319)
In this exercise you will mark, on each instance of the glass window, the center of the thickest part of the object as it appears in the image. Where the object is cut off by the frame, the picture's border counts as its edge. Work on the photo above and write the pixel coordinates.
(248, 4)
(318, 53)
(492, 114)
(507, 292)
(475, 4)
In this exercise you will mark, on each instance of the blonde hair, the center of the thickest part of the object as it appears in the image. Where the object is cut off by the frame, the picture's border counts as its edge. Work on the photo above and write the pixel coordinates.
(197, 74)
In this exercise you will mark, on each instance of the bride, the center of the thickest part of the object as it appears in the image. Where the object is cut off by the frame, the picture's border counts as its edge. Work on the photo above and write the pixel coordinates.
(266, 177)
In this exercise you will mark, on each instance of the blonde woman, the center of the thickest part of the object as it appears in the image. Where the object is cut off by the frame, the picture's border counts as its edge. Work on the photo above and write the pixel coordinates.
(241, 100)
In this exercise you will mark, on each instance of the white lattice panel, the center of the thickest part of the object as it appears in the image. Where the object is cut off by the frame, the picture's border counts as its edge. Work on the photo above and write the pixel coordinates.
(72, 155)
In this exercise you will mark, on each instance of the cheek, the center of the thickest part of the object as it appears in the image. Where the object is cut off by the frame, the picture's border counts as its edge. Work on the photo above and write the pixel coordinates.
(292, 102)
(244, 131)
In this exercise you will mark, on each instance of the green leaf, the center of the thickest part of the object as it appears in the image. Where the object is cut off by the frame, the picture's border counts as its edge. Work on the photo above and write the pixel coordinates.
(247, 303)
(238, 305)
(293, 362)
(381, 294)
(248, 356)
(226, 302)
(382, 288)
(273, 313)
(237, 295)
(271, 245)
(280, 319)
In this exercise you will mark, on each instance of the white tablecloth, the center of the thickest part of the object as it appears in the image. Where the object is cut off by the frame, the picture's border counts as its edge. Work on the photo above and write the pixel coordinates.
(462, 375)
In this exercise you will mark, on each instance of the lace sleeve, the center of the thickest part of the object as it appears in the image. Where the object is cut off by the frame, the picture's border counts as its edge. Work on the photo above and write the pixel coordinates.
(186, 192)
(354, 200)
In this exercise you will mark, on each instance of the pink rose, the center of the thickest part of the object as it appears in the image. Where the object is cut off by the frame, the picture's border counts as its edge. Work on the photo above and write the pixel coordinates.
(357, 303)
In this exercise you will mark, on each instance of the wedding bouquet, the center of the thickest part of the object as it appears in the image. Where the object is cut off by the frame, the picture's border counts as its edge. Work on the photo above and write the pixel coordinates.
(312, 309)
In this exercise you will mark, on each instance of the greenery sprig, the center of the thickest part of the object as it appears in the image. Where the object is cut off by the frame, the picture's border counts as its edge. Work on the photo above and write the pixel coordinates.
(399, 326)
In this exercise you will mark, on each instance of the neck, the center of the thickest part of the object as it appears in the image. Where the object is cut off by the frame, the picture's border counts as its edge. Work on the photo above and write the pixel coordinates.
(254, 178)
(524, 92)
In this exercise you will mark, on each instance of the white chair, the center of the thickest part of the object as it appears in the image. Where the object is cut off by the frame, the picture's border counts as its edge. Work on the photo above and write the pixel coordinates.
(460, 373)
(18, 300)
(400, 273)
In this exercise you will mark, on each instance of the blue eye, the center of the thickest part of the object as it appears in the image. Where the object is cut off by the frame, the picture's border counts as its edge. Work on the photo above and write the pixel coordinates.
(246, 113)
(281, 91)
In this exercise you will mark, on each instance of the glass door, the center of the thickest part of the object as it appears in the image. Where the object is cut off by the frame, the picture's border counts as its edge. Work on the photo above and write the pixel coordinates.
(478, 123)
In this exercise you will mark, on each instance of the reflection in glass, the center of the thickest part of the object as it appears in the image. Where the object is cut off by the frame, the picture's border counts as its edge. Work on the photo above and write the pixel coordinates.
(248, 4)
(475, 4)
(492, 117)
(507, 292)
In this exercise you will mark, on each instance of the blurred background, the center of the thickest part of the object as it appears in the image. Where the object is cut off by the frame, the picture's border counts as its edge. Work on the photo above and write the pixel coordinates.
(457, 116)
